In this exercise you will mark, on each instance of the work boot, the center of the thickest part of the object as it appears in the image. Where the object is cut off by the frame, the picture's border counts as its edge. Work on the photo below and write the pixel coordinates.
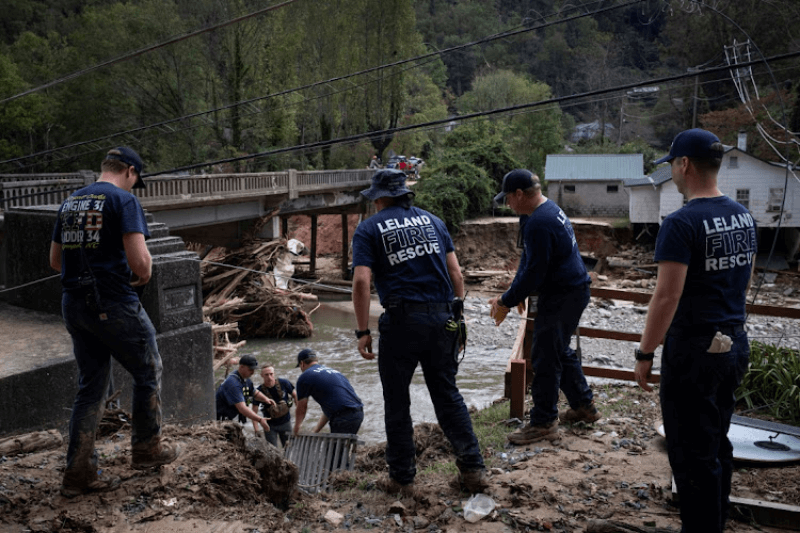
(587, 414)
(473, 481)
(530, 434)
(98, 485)
(160, 454)
(390, 486)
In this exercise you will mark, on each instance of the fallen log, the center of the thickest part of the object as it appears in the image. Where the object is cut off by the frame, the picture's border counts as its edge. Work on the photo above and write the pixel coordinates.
(31, 442)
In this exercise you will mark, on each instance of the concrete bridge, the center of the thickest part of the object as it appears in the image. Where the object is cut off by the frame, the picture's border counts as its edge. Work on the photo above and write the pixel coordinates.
(216, 208)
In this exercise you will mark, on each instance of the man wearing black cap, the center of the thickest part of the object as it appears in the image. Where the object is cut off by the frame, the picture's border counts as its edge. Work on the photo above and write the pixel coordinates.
(418, 278)
(339, 402)
(706, 254)
(99, 247)
(236, 393)
(550, 266)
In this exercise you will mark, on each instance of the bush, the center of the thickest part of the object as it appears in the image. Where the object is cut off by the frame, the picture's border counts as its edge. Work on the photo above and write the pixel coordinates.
(772, 382)
(455, 191)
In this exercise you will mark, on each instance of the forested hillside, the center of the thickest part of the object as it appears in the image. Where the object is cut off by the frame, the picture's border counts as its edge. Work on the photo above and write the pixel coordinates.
(195, 81)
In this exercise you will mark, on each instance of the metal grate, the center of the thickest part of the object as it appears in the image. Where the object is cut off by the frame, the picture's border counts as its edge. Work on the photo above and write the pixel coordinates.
(317, 454)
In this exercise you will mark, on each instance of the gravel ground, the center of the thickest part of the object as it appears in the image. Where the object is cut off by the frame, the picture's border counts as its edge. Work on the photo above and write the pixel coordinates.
(611, 315)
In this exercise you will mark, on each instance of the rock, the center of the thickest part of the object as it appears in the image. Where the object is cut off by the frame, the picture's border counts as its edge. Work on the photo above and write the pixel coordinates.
(333, 518)
(397, 508)
(420, 522)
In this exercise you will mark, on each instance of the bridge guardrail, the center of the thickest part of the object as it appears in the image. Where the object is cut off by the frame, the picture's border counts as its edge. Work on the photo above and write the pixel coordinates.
(52, 189)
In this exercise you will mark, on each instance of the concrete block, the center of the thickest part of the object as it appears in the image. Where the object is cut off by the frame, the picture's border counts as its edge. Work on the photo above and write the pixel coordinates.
(173, 299)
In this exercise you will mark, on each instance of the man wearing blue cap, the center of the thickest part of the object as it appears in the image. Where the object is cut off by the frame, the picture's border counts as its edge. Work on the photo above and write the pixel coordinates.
(330, 388)
(99, 247)
(550, 266)
(418, 277)
(706, 253)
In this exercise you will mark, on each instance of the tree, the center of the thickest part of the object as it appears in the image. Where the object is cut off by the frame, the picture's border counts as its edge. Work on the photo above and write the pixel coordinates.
(531, 135)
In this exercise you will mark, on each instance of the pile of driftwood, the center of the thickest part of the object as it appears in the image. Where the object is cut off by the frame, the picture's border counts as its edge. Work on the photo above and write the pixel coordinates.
(240, 297)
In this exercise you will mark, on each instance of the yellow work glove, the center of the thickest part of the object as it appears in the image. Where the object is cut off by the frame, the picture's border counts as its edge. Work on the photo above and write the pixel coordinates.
(498, 311)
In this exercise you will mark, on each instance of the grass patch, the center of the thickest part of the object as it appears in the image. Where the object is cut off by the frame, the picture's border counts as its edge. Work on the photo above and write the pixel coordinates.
(489, 429)
(447, 468)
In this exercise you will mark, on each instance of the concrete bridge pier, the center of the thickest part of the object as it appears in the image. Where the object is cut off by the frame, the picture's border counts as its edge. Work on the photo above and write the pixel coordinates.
(38, 374)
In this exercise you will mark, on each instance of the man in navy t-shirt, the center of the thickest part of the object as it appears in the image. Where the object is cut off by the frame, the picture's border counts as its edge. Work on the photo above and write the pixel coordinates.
(551, 266)
(99, 247)
(235, 395)
(332, 391)
(412, 257)
(705, 253)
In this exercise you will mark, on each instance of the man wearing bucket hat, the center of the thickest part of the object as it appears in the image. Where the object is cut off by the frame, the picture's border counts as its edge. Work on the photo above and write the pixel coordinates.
(99, 247)
(550, 266)
(417, 275)
(706, 254)
(330, 388)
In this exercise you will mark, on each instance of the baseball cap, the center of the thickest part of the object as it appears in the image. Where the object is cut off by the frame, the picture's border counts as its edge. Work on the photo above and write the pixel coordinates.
(693, 143)
(248, 360)
(131, 158)
(519, 178)
(387, 182)
(305, 354)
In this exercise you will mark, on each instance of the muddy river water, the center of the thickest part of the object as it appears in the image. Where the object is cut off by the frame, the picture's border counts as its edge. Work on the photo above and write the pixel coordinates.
(480, 376)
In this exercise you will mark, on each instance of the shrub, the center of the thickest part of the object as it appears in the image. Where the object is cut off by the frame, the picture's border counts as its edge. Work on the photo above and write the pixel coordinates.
(772, 382)
(454, 191)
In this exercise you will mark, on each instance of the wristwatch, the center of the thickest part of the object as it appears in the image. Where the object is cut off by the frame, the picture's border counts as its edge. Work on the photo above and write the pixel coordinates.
(361, 333)
(641, 356)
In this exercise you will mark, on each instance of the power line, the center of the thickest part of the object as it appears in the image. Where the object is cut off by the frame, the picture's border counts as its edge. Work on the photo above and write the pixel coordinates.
(362, 136)
(501, 35)
(145, 50)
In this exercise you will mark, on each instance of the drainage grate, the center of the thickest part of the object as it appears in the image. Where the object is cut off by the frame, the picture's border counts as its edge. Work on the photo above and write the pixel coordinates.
(317, 454)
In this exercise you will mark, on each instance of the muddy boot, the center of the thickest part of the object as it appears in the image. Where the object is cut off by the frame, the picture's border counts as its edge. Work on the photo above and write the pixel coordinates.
(69, 490)
(154, 455)
(530, 434)
(473, 481)
(587, 414)
(390, 486)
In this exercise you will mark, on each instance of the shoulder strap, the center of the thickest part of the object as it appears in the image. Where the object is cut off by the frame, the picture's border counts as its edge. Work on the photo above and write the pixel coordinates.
(279, 390)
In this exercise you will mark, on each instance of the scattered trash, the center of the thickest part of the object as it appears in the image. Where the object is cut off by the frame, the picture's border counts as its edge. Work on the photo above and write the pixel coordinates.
(477, 507)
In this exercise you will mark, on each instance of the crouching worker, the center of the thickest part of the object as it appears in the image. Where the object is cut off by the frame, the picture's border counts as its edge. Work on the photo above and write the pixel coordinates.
(236, 393)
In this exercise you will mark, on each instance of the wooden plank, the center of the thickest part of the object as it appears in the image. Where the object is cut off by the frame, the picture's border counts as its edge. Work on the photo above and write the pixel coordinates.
(595, 333)
(769, 513)
(616, 373)
(517, 404)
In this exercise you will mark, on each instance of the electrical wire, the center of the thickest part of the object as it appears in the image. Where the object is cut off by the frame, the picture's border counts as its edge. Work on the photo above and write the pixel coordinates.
(145, 50)
(467, 117)
(437, 53)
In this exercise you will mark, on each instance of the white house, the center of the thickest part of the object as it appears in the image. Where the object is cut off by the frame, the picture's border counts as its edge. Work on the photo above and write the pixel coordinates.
(757, 184)
(592, 184)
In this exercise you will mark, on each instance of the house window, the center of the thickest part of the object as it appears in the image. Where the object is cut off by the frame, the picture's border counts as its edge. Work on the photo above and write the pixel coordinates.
(775, 199)
(611, 189)
(733, 162)
(569, 188)
(743, 197)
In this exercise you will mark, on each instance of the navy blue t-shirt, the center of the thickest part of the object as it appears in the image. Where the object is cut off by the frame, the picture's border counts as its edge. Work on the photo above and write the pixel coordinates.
(406, 249)
(234, 389)
(550, 261)
(329, 388)
(716, 238)
(95, 218)
(272, 392)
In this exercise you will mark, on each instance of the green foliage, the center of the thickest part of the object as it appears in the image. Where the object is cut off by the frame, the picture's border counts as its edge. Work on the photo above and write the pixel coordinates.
(772, 382)
(446, 195)
(533, 134)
